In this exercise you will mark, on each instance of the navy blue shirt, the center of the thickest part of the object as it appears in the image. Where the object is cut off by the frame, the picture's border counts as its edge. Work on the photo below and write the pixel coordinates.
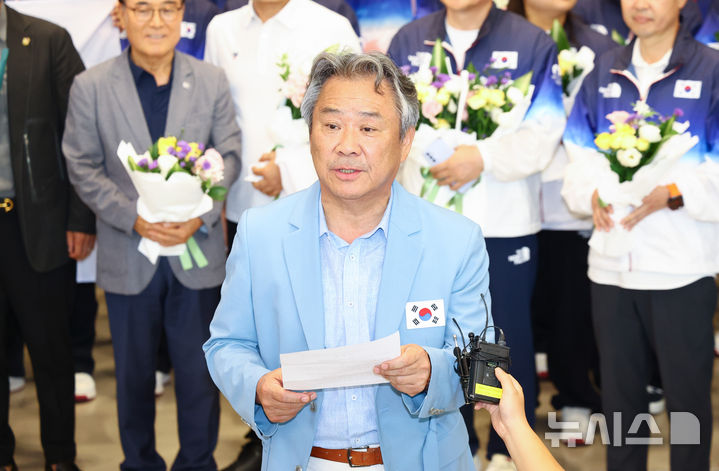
(154, 99)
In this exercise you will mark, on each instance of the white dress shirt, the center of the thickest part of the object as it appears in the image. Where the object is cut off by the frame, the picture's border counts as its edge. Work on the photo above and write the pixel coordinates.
(249, 50)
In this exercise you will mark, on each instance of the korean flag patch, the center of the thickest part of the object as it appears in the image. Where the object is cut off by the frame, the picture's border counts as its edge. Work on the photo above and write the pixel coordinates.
(504, 59)
(691, 89)
(421, 314)
(188, 30)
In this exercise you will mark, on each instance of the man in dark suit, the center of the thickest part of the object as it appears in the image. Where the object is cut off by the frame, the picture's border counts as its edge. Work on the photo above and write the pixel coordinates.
(43, 224)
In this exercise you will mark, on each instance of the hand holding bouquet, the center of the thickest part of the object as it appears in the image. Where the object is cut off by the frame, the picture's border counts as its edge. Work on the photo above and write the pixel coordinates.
(176, 181)
(640, 148)
(457, 109)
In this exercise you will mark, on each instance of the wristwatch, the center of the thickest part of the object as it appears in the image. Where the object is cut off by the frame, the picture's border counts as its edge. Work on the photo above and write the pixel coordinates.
(675, 200)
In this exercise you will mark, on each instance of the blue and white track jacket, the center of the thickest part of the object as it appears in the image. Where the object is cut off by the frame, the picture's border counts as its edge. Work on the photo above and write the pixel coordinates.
(681, 242)
(506, 201)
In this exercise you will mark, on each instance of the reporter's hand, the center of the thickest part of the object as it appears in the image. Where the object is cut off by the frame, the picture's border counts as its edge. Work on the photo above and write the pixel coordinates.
(271, 183)
(410, 372)
(279, 404)
(465, 165)
(654, 201)
(601, 215)
(509, 414)
(79, 244)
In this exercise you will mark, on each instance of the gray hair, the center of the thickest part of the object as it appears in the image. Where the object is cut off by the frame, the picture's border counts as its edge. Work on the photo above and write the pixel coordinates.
(374, 64)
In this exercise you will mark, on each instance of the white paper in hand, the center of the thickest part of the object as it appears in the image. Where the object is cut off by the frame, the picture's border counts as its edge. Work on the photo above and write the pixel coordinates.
(338, 367)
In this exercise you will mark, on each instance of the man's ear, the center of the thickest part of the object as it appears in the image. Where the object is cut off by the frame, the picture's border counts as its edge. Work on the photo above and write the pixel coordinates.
(406, 143)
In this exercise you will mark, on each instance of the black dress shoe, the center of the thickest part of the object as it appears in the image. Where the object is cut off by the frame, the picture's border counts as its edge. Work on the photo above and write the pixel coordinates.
(250, 458)
(62, 466)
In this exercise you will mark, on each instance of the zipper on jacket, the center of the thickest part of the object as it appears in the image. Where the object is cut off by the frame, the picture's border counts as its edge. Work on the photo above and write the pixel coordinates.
(627, 75)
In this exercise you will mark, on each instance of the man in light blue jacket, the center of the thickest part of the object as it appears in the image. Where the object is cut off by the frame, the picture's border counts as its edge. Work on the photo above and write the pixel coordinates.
(341, 263)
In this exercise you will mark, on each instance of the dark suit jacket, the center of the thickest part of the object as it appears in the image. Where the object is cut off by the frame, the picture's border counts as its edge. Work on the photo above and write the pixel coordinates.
(41, 66)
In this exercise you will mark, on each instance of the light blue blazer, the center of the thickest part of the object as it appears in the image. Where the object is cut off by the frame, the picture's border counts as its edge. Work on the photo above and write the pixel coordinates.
(272, 303)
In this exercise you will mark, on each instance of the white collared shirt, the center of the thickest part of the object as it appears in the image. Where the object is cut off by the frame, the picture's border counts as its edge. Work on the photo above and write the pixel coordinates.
(248, 50)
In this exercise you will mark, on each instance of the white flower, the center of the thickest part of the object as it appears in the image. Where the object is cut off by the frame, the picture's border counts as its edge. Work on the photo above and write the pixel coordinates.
(680, 127)
(650, 132)
(568, 57)
(452, 106)
(496, 114)
(165, 163)
(629, 157)
(423, 76)
(642, 109)
(453, 85)
(585, 58)
(514, 95)
(421, 60)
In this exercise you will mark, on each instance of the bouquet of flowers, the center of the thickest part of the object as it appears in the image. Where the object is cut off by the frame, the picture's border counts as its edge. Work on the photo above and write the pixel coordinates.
(574, 64)
(640, 148)
(457, 109)
(176, 181)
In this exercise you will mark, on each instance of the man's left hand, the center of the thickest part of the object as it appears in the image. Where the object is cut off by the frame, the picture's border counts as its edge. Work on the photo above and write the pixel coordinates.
(271, 183)
(79, 244)
(654, 201)
(465, 165)
(409, 373)
(174, 233)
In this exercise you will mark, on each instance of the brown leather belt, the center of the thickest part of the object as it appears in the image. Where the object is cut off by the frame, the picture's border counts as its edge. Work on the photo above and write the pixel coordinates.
(355, 457)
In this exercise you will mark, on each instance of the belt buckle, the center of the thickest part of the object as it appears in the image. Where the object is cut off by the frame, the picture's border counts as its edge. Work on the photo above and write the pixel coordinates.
(349, 456)
(7, 205)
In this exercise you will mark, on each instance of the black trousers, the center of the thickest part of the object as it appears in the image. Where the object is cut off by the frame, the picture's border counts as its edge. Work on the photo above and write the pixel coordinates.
(561, 305)
(40, 303)
(675, 325)
(82, 327)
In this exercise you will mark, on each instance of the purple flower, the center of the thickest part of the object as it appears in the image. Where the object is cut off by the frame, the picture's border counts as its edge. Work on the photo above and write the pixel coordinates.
(437, 84)
(678, 112)
(405, 69)
(142, 163)
(472, 76)
(206, 165)
(201, 146)
(443, 78)
(492, 60)
(433, 69)
(491, 80)
(508, 75)
(153, 165)
(504, 80)
(182, 164)
(192, 159)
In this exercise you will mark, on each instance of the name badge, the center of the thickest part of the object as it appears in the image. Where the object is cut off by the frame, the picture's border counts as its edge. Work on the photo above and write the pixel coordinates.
(188, 30)
(423, 314)
(691, 89)
(505, 59)
(612, 90)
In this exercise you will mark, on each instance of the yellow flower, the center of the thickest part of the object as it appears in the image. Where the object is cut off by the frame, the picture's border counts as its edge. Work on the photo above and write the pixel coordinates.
(165, 143)
(642, 145)
(425, 92)
(623, 141)
(195, 150)
(442, 124)
(624, 129)
(477, 101)
(603, 140)
(495, 97)
(443, 96)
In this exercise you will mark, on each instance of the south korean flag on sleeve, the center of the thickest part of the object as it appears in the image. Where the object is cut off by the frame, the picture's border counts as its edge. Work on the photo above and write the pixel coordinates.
(422, 314)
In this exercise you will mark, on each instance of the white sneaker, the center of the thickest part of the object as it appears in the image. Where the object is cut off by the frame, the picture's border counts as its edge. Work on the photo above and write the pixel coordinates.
(501, 462)
(16, 383)
(477, 458)
(84, 387)
(540, 360)
(657, 403)
(580, 416)
(161, 379)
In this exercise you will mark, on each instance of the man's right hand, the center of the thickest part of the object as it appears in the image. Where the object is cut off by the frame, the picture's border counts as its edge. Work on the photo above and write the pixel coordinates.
(601, 214)
(279, 404)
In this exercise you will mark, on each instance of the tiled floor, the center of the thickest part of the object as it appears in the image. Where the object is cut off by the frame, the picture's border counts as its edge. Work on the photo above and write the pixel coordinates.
(99, 447)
